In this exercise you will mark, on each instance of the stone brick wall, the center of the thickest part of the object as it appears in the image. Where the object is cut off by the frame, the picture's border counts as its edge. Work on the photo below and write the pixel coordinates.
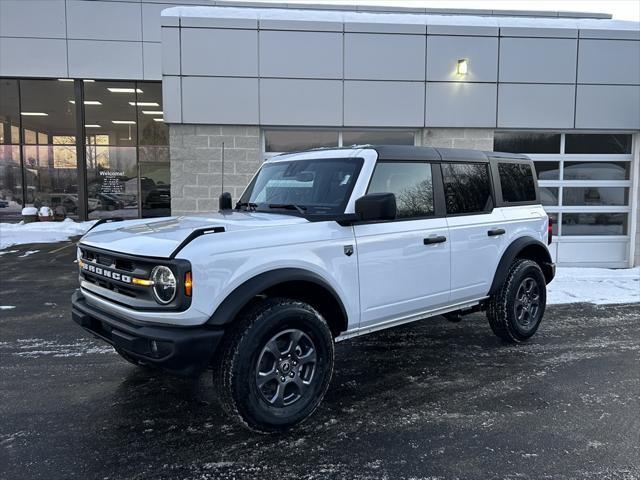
(196, 164)
(475, 138)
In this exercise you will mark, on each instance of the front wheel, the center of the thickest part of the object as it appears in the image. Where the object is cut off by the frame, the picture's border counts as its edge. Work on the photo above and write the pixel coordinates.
(274, 367)
(516, 309)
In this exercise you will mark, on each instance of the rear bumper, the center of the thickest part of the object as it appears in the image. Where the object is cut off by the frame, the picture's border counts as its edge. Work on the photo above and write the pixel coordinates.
(181, 350)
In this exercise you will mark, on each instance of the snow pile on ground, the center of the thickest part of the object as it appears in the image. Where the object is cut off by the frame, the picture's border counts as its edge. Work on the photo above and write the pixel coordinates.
(40, 232)
(600, 286)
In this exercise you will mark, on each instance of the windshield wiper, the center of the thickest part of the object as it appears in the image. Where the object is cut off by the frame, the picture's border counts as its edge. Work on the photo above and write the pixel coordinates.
(249, 206)
(289, 206)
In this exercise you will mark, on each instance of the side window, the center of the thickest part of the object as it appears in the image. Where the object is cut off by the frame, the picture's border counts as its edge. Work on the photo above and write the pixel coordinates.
(412, 184)
(516, 180)
(467, 187)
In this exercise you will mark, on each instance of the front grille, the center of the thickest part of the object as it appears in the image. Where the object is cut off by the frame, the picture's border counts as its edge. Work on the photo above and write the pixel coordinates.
(106, 270)
(114, 263)
(108, 260)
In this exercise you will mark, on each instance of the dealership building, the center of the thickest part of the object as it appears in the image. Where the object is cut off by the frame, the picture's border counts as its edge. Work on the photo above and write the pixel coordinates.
(142, 108)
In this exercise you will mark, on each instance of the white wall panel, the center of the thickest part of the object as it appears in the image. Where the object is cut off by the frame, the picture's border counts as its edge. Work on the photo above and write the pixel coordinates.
(170, 51)
(535, 106)
(300, 54)
(609, 61)
(608, 106)
(382, 104)
(33, 18)
(443, 53)
(33, 57)
(172, 99)
(598, 253)
(300, 102)
(461, 104)
(220, 100)
(152, 58)
(384, 57)
(103, 59)
(533, 60)
(151, 20)
(219, 52)
(101, 20)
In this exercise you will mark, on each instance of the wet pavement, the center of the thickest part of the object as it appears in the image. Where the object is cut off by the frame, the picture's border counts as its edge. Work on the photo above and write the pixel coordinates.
(422, 401)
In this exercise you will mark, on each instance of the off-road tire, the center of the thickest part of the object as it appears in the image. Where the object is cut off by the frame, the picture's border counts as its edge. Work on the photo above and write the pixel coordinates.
(237, 364)
(501, 306)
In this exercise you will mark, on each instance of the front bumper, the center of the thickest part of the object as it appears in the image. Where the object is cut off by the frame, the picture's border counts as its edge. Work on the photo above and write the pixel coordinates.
(181, 350)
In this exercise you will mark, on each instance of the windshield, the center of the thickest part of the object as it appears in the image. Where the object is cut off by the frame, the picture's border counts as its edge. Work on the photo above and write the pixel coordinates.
(315, 186)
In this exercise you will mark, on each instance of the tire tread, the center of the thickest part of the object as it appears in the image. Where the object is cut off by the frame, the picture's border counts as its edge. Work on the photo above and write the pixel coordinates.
(497, 313)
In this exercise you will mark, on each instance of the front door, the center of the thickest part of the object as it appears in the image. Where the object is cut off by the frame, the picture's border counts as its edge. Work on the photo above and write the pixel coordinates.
(403, 264)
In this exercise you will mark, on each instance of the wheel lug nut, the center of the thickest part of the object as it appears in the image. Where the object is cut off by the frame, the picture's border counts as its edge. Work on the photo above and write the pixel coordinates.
(295, 363)
(292, 374)
(282, 379)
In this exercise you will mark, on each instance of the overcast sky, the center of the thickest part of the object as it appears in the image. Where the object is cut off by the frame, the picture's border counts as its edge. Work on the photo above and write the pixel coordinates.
(620, 9)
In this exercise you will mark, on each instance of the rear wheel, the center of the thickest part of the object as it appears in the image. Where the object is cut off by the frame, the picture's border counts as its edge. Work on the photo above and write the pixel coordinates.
(274, 367)
(516, 309)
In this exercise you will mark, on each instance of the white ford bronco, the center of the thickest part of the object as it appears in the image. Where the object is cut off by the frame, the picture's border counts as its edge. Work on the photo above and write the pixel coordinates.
(323, 246)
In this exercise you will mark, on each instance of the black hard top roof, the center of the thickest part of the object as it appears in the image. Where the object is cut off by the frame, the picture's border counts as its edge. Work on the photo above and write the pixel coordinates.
(410, 152)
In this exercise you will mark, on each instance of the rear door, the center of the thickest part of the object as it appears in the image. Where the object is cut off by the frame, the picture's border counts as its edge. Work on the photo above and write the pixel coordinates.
(475, 227)
(404, 264)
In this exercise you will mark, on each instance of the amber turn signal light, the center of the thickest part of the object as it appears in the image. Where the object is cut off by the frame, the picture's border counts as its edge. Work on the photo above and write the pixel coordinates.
(188, 284)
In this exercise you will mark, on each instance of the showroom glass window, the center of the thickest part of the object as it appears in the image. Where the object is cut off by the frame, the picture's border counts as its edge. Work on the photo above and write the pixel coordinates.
(125, 148)
(111, 130)
(153, 151)
(48, 119)
(10, 169)
(282, 141)
(584, 179)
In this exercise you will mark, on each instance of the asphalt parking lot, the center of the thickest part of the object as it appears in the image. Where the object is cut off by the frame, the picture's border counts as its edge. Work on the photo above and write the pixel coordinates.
(424, 401)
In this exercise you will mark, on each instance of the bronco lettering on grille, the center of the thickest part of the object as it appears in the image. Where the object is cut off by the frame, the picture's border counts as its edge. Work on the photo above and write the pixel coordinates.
(103, 272)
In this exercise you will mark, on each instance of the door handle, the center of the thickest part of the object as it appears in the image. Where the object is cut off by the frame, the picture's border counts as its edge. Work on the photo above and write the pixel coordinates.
(432, 240)
(495, 232)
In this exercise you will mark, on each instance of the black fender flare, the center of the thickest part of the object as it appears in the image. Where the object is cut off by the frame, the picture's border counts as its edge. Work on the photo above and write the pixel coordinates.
(243, 294)
(510, 255)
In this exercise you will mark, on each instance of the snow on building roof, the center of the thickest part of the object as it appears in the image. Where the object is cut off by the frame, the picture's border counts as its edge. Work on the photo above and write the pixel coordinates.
(627, 29)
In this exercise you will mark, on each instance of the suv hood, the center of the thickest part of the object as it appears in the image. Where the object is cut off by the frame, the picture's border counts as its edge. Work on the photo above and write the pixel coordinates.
(161, 237)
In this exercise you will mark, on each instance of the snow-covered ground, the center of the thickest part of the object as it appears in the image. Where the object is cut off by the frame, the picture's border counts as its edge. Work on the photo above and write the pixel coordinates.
(601, 286)
(40, 232)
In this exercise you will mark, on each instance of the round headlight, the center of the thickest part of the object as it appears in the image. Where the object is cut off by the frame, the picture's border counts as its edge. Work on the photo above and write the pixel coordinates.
(164, 284)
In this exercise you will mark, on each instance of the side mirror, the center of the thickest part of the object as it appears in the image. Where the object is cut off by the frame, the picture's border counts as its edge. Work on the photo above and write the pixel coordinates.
(224, 202)
(376, 206)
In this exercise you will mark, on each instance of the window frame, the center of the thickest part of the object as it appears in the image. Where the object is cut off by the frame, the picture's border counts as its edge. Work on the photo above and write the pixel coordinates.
(500, 201)
(561, 158)
(439, 208)
(359, 161)
(492, 187)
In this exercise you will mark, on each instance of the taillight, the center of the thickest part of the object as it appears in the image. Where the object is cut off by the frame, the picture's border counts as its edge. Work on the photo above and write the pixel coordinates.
(550, 231)
(188, 284)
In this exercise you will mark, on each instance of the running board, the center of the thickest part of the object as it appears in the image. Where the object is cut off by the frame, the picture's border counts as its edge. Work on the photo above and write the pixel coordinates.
(408, 319)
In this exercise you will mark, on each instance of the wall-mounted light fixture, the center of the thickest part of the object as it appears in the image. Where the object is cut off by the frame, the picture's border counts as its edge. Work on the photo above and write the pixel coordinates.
(463, 66)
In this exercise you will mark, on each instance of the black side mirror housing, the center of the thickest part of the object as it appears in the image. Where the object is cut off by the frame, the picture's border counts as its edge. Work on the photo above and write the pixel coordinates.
(224, 202)
(376, 206)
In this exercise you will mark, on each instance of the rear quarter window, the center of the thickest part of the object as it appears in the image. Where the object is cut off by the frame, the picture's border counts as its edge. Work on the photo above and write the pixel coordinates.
(516, 181)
